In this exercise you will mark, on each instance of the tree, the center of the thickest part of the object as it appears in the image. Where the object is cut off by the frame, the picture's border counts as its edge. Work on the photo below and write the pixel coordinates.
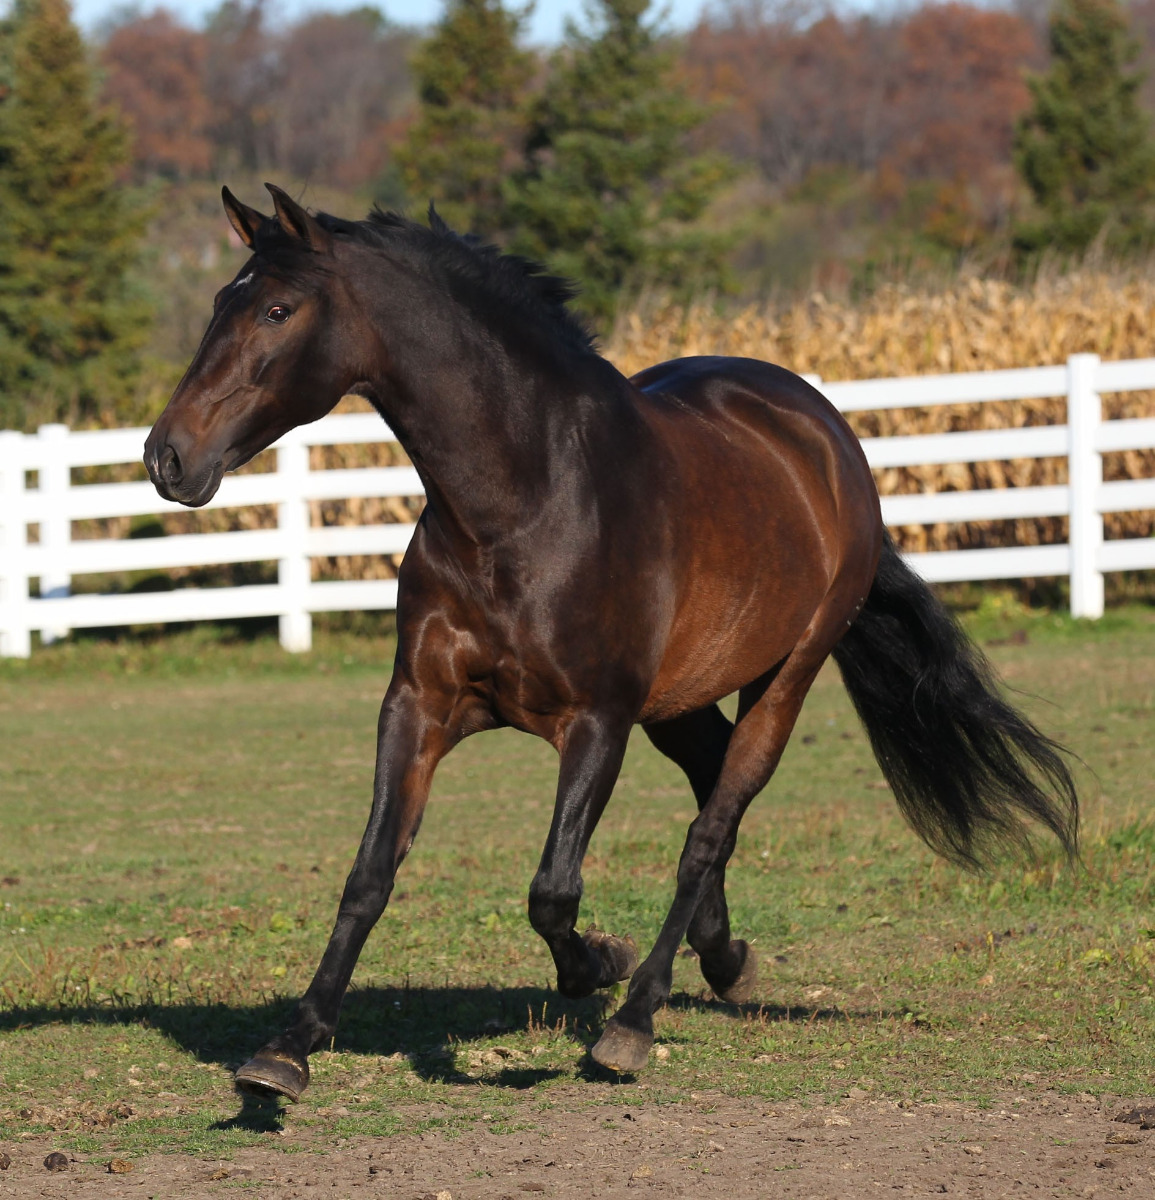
(156, 79)
(610, 194)
(929, 91)
(242, 73)
(70, 326)
(1084, 149)
(472, 78)
(343, 83)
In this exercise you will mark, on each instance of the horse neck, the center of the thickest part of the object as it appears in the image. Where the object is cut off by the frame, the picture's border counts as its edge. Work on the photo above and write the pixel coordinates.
(485, 419)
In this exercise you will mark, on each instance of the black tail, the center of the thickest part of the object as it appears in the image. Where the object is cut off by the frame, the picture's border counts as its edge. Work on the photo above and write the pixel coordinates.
(964, 765)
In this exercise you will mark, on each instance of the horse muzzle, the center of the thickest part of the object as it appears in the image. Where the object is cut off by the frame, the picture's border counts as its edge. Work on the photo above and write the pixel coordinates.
(175, 477)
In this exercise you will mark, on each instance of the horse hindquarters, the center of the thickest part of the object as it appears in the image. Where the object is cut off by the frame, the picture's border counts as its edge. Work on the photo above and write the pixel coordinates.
(964, 764)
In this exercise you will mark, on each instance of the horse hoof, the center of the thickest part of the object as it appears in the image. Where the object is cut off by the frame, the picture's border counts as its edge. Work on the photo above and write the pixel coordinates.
(619, 955)
(269, 1074)
(623, 1050)
(737, 989)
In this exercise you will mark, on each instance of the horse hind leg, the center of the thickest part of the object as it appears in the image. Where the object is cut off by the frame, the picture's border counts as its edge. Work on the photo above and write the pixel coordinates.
(766, 717)
(697, 743)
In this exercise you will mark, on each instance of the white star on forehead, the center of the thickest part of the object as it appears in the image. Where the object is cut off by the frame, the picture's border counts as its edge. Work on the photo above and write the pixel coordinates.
(241, 282)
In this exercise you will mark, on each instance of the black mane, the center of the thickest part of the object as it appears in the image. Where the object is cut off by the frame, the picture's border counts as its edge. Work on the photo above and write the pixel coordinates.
(517, 283)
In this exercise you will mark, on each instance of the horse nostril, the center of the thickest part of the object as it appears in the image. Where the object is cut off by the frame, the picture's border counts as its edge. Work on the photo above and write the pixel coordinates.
(169, 466)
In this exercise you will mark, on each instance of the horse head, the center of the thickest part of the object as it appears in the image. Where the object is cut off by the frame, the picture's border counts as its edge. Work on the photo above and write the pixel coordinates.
(269, 360)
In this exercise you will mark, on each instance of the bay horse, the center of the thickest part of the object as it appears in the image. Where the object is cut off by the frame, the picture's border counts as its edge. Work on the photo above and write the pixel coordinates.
(596, 553)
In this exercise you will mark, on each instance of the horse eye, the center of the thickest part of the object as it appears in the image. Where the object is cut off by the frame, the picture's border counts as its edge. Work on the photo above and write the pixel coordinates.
(278, 314)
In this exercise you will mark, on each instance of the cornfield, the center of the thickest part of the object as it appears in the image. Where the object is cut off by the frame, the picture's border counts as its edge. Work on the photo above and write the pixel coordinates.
(974, 324)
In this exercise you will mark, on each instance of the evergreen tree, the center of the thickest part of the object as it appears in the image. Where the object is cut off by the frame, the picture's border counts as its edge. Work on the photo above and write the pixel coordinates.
(70, 326)
(1084, 148)
(472, 78)
(610, 195)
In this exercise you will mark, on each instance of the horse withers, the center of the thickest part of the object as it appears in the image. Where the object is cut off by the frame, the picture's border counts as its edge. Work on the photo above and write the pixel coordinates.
(595, 553)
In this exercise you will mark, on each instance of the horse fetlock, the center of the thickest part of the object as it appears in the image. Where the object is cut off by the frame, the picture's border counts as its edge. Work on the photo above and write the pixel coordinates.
(624, 1047)
(551, 913)
(733, 973)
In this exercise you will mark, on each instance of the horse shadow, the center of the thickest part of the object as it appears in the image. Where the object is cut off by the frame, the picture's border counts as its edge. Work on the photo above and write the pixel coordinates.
(425, 1025)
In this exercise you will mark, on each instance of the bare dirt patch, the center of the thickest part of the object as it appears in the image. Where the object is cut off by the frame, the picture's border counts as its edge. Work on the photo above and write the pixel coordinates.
(713, 1146)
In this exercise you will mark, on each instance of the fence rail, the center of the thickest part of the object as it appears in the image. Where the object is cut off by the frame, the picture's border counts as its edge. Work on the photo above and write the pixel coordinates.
(48, 553)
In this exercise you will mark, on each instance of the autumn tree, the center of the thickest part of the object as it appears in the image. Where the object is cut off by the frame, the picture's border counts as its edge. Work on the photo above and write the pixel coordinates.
(241, 75)
(154, 74)
(931, 92)
(342, 87)
(1084, 149)
(610, 194)
(472, 77)
(70, 324)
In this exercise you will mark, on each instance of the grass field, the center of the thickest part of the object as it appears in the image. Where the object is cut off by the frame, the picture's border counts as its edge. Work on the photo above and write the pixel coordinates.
(177, 817)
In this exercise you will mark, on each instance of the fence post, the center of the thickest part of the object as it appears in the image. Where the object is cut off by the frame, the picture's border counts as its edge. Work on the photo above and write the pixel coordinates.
(293, 570)
(55, 525)
(1085, 471)
(15, 635)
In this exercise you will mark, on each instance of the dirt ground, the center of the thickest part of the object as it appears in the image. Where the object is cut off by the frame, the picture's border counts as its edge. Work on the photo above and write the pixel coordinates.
(713, 1146)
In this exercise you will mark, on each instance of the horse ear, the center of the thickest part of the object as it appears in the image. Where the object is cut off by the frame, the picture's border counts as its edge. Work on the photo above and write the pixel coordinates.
(296, 221)
(245, 220)
(436, 220)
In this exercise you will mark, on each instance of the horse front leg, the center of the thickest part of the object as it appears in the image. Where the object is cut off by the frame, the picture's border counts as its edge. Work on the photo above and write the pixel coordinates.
(411, 739)
(591, 757)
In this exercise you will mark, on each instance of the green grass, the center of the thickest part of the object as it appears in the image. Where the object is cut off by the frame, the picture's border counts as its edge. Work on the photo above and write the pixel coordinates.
(178, 816)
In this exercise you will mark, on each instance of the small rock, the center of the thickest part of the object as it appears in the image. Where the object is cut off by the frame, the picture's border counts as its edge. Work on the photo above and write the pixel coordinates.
(222, 1173)
(445, 1195)
(716, 1147)
(856, 1093)
(119, 1166)
(182, 943)
(976, 1150)
(661, 1053)
(5, 1161)
(1120, 1138)
(643, 1172)
(1104, 1163)
(56, 1162)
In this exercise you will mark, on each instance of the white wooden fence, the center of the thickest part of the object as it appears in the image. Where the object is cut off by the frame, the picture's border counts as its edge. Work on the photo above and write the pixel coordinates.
(54, 557)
